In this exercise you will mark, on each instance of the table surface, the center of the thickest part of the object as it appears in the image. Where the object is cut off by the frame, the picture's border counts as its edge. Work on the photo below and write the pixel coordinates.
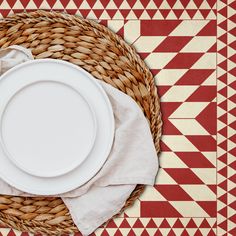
(189, 47)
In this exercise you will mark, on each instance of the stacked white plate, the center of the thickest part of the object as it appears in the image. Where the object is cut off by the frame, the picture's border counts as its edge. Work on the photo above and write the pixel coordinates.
(56, 127)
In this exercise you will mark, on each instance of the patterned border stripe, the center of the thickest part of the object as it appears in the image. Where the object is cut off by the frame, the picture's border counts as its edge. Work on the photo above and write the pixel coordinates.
(226, 20)
(120, 9)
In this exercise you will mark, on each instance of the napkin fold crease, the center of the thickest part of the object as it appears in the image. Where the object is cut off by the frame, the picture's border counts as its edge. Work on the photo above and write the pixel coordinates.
(132, 160)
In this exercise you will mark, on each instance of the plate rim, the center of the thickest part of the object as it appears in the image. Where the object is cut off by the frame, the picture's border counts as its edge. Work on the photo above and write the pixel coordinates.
(112, 124)
(57, 172)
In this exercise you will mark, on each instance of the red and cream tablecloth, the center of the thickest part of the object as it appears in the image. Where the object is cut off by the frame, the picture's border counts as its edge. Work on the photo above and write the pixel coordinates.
(190, 49)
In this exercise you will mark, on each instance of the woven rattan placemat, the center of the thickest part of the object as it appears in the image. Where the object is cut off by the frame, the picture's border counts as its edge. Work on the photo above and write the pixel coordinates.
(107, 57)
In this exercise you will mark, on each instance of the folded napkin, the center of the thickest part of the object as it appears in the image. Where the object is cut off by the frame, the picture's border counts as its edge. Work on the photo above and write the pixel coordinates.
(132, 160)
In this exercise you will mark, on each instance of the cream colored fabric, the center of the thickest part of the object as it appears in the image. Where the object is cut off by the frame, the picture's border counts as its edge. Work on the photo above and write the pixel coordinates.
(132, 160)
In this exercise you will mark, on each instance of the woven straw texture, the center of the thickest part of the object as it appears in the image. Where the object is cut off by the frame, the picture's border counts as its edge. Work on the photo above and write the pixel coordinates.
(107, 57)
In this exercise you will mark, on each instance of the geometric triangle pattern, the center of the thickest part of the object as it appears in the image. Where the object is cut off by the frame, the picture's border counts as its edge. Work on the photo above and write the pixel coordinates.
(189, 47)
(120, 9)
(226, 165)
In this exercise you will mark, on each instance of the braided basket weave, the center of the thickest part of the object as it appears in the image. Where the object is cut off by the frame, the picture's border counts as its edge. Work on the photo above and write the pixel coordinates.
(107, 57)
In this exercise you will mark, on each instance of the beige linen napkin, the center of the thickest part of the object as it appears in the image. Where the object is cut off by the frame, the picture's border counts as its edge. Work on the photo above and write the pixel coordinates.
(132, 160)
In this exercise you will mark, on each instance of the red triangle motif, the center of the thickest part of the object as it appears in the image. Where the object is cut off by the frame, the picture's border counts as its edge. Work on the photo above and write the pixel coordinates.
(184, 3)
(131, 3)
(223, 225)
(171, 233)
(158, 233)
(111, 12)
(211, 3)
(233, 231)
(11, 233)
(233, 18)
(185, 233)
(24, 3)
(164, 224)
(191, 224)
(158, 2)
(223, 212)
(233, 72)
(198, 233)
(233, 112)
(223, 78)
(233, 125)
(78, 3)
(98, 12)
(223, 118)
(151, 224)
(233, 138)
(125, 12)
(233, 152)
(233, 191)
(223, 11)
(223, 52)
(138, 224)
(233, 164)
(171, 3)
(164, 12)
(131, 233)
(178, 224)
(223, 185)
(233, 32)
(223, 92)
(124, 224)
(204, 224)
(84, 12)
(223, 172)
(51, 3)
(223, 132)
(233, 179)
(233, 58)
(104, 2)
(233, 4)
(223, 105)
(145, 3)
(118, 233)
(111, 224)
(233, 84)
(151, 12)
(233, 205)
(233, 45)
(5, 12)
(71, 11)
(223, 158)
(138, 12)
(198, 3)
(191, 12)
(91, 3)
(11, 3)
(223, 25)
(178, 12)
(223, 38)
(145, 233)
(223, 65)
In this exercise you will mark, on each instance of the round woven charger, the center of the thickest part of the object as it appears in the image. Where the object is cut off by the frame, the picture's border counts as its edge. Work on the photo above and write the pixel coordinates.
(107, 57)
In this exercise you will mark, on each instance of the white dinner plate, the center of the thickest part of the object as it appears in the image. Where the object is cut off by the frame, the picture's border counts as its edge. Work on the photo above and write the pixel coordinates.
(56, 126)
